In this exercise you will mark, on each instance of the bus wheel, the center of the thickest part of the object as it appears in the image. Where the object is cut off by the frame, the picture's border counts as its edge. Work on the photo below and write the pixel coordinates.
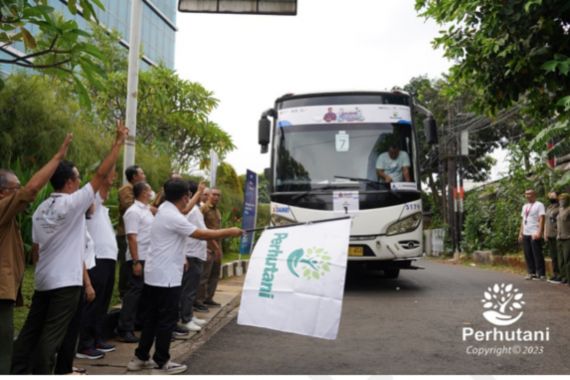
(392, 273)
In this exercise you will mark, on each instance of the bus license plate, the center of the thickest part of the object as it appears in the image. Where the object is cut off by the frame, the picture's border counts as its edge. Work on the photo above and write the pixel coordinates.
(355, 251)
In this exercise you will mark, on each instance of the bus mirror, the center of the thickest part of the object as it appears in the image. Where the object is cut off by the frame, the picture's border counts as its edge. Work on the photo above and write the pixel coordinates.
(264, 133)
(430, 130)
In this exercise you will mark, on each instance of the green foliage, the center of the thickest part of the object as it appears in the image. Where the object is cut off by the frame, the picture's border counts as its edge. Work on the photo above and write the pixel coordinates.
(506, 49)
(59, 46)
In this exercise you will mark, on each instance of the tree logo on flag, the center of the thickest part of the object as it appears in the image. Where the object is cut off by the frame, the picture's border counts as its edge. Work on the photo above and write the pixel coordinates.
(312, 263)
(500, 301)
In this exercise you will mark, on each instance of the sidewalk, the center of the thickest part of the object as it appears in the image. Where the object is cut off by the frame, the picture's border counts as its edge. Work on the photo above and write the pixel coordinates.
(228, 294)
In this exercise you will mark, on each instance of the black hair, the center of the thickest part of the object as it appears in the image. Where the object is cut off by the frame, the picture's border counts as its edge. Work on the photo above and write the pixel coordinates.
(131, 172)
(175, 189)
(138, 188)
(193, 186)
(62, 174)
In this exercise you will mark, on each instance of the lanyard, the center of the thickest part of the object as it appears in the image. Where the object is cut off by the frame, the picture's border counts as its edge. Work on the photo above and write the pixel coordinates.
(527, 211)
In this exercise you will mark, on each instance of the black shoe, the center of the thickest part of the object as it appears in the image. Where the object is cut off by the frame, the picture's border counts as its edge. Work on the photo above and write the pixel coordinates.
(201, 308)
(127, 337)
(564, 281)
(181, 330)
(212, 303)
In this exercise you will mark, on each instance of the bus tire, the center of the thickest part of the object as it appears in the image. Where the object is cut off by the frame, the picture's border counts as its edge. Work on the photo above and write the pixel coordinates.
(392, 273)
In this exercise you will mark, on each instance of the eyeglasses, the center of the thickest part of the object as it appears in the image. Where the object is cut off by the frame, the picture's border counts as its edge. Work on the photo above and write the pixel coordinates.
(12, 188)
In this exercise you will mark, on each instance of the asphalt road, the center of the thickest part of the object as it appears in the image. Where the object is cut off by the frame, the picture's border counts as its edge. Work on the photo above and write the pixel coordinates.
(412, 325)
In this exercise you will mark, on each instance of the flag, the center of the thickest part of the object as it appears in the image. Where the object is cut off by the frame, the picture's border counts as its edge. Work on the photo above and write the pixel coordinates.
(295, 279)
(249, 212)
(213, 168)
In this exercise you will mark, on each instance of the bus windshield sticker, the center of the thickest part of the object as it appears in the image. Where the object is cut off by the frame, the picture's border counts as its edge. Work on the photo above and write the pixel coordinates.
(342, 142)
(346, 201)
(404, 186)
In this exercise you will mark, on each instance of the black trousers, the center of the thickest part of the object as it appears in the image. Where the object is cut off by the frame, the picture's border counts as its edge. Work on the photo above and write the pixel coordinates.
(190, 285)
(44, 330)
(66, 353)
(103, 279)
(132, 308)
(123, 268)
(552, 244)
(161, 315)
(533, 255)
(6, 335)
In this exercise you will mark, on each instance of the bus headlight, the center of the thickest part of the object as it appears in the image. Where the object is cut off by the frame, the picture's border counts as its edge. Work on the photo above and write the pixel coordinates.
(278, 220)
(407, 224)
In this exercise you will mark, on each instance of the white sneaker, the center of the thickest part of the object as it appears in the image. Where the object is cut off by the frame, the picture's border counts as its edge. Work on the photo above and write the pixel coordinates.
(170, 368)
(138, 365)
(192, 326)
(199, 322)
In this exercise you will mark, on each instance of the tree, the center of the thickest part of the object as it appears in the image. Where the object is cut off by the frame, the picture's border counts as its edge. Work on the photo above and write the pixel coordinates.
(59, 45)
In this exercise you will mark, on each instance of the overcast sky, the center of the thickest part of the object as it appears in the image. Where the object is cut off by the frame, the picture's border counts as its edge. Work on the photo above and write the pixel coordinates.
(249, 61)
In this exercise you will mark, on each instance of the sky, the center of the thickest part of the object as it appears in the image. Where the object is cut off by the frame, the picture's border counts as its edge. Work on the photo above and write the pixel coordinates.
(249, 61)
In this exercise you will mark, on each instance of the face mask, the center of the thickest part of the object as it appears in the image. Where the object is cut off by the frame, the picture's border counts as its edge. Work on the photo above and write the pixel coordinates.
(553, 201)
(152, 195)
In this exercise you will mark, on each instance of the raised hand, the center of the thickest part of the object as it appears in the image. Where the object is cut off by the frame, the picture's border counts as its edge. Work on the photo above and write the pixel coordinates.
(122, 132)
(64, 146)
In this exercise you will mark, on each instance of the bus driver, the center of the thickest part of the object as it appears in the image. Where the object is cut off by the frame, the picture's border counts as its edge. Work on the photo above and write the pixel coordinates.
(393, 165)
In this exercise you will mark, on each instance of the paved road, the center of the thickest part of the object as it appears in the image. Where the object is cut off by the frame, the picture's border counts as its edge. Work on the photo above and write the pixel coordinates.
(414, 330)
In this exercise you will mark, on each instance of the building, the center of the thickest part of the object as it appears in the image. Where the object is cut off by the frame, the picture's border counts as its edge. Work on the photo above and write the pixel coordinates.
(157, 34)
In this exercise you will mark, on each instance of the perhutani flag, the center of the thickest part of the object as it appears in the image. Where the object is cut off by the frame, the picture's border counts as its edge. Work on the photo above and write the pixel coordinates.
(295, 279)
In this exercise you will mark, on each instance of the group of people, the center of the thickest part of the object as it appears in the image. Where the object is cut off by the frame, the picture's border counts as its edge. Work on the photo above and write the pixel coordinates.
(551, 225)
(169, 254)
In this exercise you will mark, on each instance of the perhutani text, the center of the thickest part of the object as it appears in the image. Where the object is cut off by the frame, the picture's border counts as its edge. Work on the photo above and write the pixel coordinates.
(271, 265)
(496, 335)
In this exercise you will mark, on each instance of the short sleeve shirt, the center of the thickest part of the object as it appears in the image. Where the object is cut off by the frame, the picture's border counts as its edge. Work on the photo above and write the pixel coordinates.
(391, 167)
(60, 229)
(89, 258)
(531, 213)
(196, 247)
(550, 220)
(138, 220)
(101, 230)
(164, 264)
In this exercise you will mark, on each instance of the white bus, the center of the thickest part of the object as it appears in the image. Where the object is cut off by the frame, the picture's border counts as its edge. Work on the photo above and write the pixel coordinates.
(324, 154)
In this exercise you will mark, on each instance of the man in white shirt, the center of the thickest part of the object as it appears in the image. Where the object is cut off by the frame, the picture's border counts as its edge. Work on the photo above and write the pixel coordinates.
(163, 277)
(530, 235)
(138, 221)
(196, 256)
(91, 343)
(59, 229)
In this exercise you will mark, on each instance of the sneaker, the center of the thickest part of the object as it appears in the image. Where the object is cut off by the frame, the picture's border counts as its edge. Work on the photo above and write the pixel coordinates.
(138, 365)
(127, 337)
(193, 326)
(181, 329)
(530, 276)
(104, 346)
(201, 308)
(89, 353)
(212, 303)
(170, 368)
(555, 280)
(541, 278)
(199, 322)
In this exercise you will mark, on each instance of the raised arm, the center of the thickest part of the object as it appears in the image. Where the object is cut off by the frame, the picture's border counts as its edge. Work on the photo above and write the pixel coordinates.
(109, 162)
(42, 176)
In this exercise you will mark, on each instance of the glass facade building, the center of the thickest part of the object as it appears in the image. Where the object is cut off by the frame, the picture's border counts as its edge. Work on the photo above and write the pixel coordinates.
(157, 34)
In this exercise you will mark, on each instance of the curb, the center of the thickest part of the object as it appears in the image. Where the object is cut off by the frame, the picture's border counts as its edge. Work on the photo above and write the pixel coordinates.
(235, 268)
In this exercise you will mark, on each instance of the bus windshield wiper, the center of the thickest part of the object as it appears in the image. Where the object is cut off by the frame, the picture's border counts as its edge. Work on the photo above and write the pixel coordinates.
(366, 180)
(307, 192)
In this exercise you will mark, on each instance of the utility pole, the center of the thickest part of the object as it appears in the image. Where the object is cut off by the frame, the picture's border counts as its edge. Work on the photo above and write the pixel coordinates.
(452, 179)
(132, 84)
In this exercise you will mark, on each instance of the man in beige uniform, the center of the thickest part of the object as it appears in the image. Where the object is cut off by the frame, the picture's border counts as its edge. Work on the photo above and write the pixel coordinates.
(13, 200)
(550, 235)
(563, 224)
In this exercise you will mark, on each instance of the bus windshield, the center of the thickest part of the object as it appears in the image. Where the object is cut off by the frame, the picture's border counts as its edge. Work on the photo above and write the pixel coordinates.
(317, 156)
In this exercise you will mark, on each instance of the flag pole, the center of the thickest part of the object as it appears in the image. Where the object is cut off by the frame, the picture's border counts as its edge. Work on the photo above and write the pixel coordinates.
(296, 224)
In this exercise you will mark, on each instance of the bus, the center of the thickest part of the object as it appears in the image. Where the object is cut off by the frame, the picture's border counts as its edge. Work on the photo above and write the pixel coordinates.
(326, 150)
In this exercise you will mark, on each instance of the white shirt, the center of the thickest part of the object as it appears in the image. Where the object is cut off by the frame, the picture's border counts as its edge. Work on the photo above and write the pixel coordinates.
(89, 258)
(164, 264)
(138, 220)
(59, 228)
(531, 213)
(101, 230)
(196, 247)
